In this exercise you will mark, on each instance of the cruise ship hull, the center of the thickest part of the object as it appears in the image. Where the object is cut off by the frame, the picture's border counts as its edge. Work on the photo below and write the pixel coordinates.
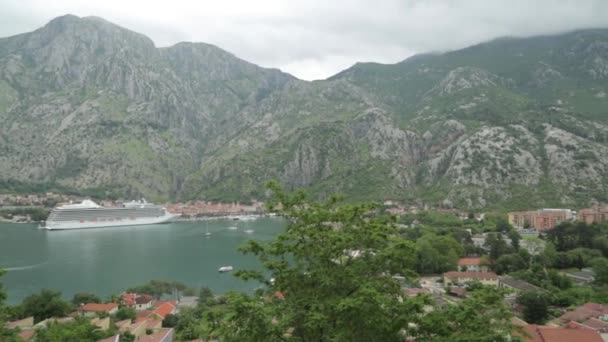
(138, 221)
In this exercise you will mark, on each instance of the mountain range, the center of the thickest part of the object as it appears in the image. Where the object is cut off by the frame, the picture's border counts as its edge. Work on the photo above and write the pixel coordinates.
(514, 122)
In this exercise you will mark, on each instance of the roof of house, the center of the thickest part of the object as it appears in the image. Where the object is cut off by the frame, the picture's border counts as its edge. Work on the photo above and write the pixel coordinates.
(129, 298)
(143, 299)
(99, 307)
(22, 323)
(124, 323)
(517, 283)
(458, 291)
(412, 292)
(26, 335)
(469, 261)
(539, 333)
(579, 314)
(115, 338)
(159, 336)
(596, 323)
(584, 312)
(478, 275)
(164, 309)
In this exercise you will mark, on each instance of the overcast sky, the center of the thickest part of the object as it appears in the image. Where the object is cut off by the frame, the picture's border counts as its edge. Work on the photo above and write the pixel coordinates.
(314, 39)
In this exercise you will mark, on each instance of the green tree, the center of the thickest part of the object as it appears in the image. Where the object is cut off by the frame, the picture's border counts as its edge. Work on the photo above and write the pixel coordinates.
(44, 305)
(335, 266)
(536, 306)
(515, 238)
(5, 334)
(170, 321)
(510, 263)
(496, 245)
(600, 268)
(437, 254)
(204, 295)
(468, 321)
(125, 313)
(81, 330)
(84, 298)
(503, 226)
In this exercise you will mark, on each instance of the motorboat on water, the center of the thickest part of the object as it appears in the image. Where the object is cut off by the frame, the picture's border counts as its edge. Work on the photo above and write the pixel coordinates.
(225, 269)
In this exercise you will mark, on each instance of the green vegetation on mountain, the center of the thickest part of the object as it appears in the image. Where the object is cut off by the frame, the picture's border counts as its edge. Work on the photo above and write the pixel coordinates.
(519, 122)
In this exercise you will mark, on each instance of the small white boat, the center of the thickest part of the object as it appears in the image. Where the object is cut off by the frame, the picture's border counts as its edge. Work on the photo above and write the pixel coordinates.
(232, 228)
(249, 231)
(225, 269)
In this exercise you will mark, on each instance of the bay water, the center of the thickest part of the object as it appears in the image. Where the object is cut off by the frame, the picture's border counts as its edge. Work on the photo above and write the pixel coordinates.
(107, 261)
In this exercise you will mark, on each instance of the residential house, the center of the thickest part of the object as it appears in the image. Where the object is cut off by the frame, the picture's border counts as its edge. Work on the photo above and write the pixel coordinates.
(486, 278)
(164, 308)
(471, 264)
(187, 302)
(115, 338)
(591, 324)
(516, 285)
(26, 323)
(479, 240)
(413, 292)
(101, 323)
(597, 213)
(123, 325)
(137, 301)
(584, 276)
(26, 335)
(164, 335)
(92, 309)
(137, 329)
(541, 220)
(585, 312)
(540, 333)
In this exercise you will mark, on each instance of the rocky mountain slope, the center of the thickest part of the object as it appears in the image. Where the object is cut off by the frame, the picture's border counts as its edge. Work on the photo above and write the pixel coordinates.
(514, 122)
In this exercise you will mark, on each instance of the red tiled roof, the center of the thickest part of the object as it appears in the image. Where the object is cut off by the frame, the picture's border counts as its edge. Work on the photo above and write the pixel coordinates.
(164, 309)
(583, 313)
(596, 307)
(99, 307)
(129, 298)
(26, 335)
(478, 275)
(596, 323)
(415, 291)
(469, 261)
(539, 333)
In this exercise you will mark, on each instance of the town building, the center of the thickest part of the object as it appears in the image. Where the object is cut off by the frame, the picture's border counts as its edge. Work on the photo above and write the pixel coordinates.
(540, 333)
(456, 278)
(164, 335)
(516, 285)
(585, 312)
(584, 276)
(92, 309)
(541, 220)
(137, 301)
(471, 264)
(597, 213)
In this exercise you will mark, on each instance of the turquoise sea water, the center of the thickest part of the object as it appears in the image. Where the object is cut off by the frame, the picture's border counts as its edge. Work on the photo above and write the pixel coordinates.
(109, 260)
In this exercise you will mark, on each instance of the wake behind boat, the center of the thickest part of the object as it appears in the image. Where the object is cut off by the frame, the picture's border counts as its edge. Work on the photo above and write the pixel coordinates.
(89, 214)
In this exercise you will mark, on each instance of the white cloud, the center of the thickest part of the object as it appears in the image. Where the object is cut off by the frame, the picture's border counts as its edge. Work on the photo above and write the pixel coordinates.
(317, 38)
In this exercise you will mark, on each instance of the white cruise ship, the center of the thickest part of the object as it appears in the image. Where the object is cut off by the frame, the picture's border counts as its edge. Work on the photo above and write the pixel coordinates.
(89, 214)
